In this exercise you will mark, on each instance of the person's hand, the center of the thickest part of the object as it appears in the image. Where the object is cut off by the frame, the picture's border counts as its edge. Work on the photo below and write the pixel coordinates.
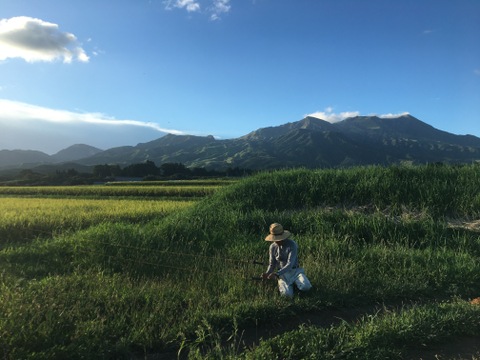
(272, 276)
(265, 276)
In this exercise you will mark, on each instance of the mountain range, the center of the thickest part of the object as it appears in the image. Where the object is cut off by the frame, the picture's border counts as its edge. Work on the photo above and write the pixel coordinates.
(310, 142)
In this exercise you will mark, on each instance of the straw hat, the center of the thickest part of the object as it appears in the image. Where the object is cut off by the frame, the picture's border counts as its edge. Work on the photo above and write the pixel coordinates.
(277, 233)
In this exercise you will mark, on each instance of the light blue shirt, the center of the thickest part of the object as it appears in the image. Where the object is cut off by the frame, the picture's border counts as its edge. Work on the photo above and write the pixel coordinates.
(283, 256)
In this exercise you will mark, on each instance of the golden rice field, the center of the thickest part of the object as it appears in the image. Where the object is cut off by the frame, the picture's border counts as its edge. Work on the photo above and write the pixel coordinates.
(28, 211)
(167, 191)
(24, 218)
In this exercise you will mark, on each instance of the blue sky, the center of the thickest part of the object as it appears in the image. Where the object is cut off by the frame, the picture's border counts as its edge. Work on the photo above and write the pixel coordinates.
(118, 72)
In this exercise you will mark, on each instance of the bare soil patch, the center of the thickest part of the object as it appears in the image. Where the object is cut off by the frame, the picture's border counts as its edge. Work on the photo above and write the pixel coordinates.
(459, 348)
(464, 348)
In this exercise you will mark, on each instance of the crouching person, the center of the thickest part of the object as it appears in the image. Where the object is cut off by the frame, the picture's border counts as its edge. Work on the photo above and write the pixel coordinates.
(283, 262)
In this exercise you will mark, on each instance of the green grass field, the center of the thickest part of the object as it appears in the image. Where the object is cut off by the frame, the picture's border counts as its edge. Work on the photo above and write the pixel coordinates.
(97, 274)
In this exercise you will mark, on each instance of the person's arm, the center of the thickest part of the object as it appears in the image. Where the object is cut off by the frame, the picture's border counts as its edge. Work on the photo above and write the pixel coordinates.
(272, 263)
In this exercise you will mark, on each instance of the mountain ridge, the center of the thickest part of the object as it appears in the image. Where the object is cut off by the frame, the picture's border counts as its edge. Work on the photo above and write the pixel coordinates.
(26, 158)
(309, 142)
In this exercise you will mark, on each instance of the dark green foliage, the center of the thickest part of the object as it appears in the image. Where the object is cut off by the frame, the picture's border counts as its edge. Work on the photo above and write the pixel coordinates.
(310, 142)
(182, 281)
(376, 337)
(440, 190)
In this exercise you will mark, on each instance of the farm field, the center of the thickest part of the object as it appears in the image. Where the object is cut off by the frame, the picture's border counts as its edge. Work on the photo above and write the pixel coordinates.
(165, 189)
(392, 253)
(27, 218)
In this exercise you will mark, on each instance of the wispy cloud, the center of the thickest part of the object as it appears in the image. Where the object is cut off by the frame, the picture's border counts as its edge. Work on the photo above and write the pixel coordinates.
(189, 5)
(392, 116)
(220, 7)
(476, 72)
(15, 111)
(215, 8)
(37, 40)
(331, 117)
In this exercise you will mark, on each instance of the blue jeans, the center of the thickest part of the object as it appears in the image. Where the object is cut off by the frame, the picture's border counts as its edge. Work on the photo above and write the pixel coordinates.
(295, 276)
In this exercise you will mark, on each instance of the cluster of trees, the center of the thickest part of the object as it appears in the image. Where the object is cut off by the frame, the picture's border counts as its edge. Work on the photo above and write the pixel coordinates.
(59, 177)
(142, 171)
(148, 170)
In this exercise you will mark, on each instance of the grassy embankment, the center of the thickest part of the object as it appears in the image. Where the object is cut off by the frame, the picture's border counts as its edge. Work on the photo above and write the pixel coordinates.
(140, 284)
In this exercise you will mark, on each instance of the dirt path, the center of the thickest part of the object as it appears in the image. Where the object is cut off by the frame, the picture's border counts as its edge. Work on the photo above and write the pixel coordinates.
(251, 337)
(461, 348)
(464, 348)
(323, 318)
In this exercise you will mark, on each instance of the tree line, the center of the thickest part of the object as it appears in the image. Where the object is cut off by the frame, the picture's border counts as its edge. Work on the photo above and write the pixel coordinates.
(141, 171)
(149, 171)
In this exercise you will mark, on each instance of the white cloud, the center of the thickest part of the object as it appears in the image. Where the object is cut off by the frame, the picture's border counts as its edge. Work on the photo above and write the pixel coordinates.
(476, 72)
(392, 116)
(189, 5)
(220, 7)
(216, 8)
(331, 117)
(37, 40)
(15, 111)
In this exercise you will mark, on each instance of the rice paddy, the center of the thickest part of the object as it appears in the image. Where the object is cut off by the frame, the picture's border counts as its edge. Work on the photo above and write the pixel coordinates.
(90, 273)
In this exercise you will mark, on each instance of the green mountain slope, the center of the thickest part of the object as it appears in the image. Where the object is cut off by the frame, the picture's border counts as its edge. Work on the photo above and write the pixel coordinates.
(310, 143)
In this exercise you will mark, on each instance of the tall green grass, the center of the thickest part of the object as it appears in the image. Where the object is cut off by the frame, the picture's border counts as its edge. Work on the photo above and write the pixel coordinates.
(181, 281)
(440, 190)
(381, 336)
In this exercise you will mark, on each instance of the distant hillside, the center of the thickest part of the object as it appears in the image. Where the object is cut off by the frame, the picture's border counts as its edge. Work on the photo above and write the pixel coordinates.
(75, 152)
(310, 143)
(30, 158)
(17, 158)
